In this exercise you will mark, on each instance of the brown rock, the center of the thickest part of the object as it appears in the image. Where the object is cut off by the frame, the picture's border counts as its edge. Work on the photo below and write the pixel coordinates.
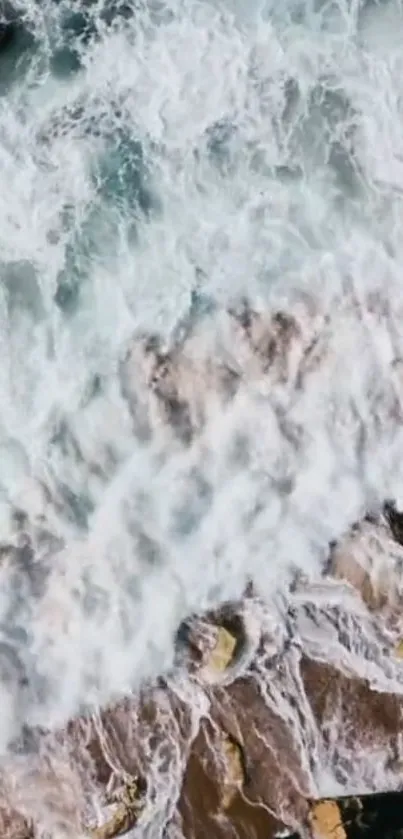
(242, 756)
(325, 820)
(349, 711)
(205, 807)
(174, 389)
(268, 748)
(14, 826)
(370, 560)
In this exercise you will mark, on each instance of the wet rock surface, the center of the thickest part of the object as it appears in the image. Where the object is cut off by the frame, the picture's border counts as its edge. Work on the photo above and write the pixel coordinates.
(190, 757)
(268, 716)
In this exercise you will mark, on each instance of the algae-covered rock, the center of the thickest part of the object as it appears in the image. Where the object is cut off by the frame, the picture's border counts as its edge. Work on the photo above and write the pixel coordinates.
(208, 648)
(234, 770)
(222, 655)
(371, 816)
(326, 821)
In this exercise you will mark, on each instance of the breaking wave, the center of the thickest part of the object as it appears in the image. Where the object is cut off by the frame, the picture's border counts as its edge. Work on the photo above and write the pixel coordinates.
(201, 360)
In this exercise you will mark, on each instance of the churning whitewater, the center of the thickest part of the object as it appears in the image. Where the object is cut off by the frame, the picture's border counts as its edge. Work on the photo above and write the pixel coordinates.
(201, 375)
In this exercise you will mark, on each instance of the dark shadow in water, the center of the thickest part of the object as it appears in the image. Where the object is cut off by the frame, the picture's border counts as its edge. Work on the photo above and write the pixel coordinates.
(8, 24)
(118, 10)
(81, 25)
(17, 45)
(395, 520)
(78, 29)
(64, 62)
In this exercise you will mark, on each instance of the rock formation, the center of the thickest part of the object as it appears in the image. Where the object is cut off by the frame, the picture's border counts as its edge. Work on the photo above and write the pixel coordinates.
(258, 715)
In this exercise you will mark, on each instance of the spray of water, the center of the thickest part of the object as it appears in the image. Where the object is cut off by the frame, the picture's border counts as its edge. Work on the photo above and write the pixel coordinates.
(163, 442)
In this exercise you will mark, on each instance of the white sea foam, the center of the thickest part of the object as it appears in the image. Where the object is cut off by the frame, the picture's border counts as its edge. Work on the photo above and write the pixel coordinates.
(272, 142)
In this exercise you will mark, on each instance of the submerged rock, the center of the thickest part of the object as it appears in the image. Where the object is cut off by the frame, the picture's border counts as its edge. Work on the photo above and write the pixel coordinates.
(174, 389)
(369, 558)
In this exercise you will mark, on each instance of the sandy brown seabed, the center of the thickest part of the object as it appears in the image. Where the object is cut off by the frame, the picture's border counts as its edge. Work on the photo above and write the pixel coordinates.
(234, 744)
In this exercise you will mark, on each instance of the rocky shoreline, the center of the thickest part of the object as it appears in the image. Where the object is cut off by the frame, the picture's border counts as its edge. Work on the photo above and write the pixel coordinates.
(218, 751)
(268, 709)
(284, 706)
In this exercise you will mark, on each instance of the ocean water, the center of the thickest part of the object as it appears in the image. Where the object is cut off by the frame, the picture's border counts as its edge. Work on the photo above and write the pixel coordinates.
(160, 162)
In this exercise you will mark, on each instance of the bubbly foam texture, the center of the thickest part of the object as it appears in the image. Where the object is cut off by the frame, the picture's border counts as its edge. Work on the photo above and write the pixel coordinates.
(159, 458)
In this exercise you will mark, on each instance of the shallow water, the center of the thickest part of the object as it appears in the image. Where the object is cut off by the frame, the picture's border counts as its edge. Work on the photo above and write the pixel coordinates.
(158, 162)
